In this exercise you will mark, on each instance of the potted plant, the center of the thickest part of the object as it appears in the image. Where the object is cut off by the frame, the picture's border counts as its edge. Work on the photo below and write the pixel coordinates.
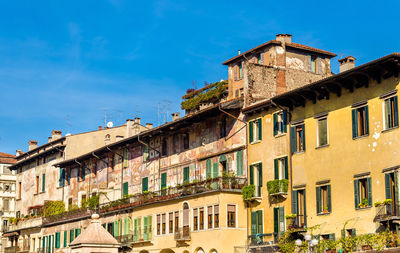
(330, 246)
(364, 203)
(366, 241)
(248, 192)
(387, 201)
(378, 203)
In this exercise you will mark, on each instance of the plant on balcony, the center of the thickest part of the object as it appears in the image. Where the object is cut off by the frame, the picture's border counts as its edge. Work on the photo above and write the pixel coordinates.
(291, 216)
(387, 201)
(364, 203)
(277, 186)
(53, 208)
(378, 203)
(212, 91)
(73, 207)
(248, 192)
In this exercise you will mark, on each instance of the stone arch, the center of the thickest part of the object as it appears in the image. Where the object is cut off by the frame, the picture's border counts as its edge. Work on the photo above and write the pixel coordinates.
(167, 251)
(144, 251)
(213, 251)
(199, 250)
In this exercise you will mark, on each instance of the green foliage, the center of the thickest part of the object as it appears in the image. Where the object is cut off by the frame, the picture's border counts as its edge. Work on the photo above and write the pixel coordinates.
(363, 203)
(53, 208)
(213, 91)
(93, 202)
(73, 207)
(387, 201)
(248, 192)
(378, 203)
(291, 216)
(276, 186)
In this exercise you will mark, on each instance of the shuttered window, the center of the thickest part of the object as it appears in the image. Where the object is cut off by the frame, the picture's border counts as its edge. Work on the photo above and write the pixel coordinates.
(323, 198)
(255, 130)
(125, 189)
(239, 163)
(362, 193)
(62, 177)
(297, 138)
(43, 182)
(208, 168)
(280, 122)
(215, 170)
(322, 132)
(256, 222)
(164, 180)
(231, 216)
(57, 243)
(391, 113)
(65, 239)
(71, 235)
(360, 121)
(186, 174)
(281, 168)
(145, 184)
(256, 175)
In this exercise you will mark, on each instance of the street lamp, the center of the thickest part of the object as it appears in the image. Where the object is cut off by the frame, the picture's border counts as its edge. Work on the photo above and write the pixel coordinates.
(311, 243)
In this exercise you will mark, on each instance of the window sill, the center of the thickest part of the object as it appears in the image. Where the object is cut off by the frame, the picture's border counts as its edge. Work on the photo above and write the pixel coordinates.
(363, 208)
(279, 135)
(255, 142)
(360, 137)
(323, 146)
(390, 129)
(298, 152)
(323, 214)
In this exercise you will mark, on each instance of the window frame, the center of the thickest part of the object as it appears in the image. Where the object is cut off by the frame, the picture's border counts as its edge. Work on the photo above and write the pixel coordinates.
(319, 145)
(231, 217)
(255, 130)
(394, 109)
(359, 183)
(320, 190)
(356, 120)
(280, 123)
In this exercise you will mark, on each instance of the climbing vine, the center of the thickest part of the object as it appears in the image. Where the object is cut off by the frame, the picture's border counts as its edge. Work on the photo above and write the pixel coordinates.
(212, 91)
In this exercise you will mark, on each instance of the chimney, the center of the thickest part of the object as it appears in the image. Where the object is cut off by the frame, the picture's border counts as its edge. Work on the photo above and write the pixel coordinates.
(149, 125)
(99, 127)
(238, 51)
(119, 137)
(50, 139)
(32, 145)
(55, 134)
(346, 63)
(284, 38)
(175, 116)
(137, 120)
(19, 152)
(129, 124)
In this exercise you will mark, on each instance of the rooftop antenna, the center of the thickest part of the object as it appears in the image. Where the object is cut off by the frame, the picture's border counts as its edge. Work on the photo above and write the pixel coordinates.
(105, 116)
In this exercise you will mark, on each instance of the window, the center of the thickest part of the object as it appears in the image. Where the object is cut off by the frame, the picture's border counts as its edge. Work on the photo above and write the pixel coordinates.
(145, 184)
(19, 190)
(322, 132)
(297, 135)
(195, 219)
(147, 227)
(391, 186)
(185, 141)
(6, 204)
(223, 127)
(299, 207)
(62, 177)
(210, 217)
(82, 173)
(216, 216)
(6, 170)
(186, 175)
(201, 218)
(68, 176)
(223, 162)
(137, 229)
(145, 153)
(279, 221)
(69, 202)
(256, 223)
(125, 189)
(323, 199)
(158, 224)
(164, 147)
(37, 184)
(313, 64)
(255, 130)
(176, 222)
(71, 235)
(164, 223)
(391, 113)
(281, 168)
(360, 121)
(280, 123)
(57, 242)
(171, 223)
(231, 216)
(240, 66)
(239, 163)
(65, 239)
(256, 178)
(164, 182)
(83, 200)
(43, 182)
(362, 193)
(126, 158)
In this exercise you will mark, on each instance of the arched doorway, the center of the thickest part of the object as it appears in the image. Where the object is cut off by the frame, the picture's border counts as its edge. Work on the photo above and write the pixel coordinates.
(199, 250)
(213, 251)
(167, 251)
(186, 215)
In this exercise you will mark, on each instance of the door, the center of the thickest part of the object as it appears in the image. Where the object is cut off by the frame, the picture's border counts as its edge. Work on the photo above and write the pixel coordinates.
(186, 214)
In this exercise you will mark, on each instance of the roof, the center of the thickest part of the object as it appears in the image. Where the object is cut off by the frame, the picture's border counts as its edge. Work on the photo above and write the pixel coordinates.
(45, 152)
(276, 42)
(40, 147)
(387, 65)
(7, 158)
(178, 123)
(94, 234)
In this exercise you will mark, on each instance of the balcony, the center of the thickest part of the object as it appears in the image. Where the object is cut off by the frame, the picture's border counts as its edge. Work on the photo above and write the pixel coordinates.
(278, 187)
(386, 213)
(67, 216)
(25, 223)
(182, 234)
(262, 243)
(13, 249)
(298, 223)
(125, 240)
(142, 237)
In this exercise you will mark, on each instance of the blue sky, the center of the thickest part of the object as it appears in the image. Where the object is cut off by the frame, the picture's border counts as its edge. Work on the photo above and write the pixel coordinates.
(64, 63)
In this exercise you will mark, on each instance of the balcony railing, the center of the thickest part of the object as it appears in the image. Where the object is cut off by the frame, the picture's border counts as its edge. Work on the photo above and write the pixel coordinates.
(278, 187)
(385, 213)
(26, 223)
(125, 239)
(297, 223)
(144, 236)
(261, 240)
(182, 234)
(13, 249)
(83, 212)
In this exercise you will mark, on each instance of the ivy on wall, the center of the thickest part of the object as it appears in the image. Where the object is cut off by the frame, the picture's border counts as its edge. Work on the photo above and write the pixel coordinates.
(212, 91)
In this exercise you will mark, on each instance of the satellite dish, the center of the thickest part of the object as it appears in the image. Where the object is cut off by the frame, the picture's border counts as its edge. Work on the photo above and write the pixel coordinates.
(68, 134)
(110, 124)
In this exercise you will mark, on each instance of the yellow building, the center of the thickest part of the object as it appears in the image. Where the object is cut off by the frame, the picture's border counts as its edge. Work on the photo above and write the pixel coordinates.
(344, 133)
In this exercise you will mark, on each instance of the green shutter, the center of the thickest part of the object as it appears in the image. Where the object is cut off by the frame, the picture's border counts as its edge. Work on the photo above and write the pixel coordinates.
(125, 189)
(388, 113)
(146, 227)
(251, 131)
(145, 186)
(259, 222)
(251, 168)
(215, 170)
(353, 232)
(239, 163)
(303, 137)
(77, 232)
(305, 208)
(366, 120)
(294, 202)
(281, 218)
(286, 168)
(396, 193)
(135, 230)
(332, 237)
(396, 112)
(356, 193)
(253, 223)
(260, 181)
(388, 192)
(44, 244)
(293, 139)
(43, 182)
(275, 116)
(83, 172)
(126, 153)
(186, 174)
(125, 223)
(329, 199)
(259, 129)
(71, 235)
(318, 191)
(65, 239)
(208, 168)
(354, 122)
(276, 220)
(116, 228)
(276, 168)
(62, 177)
(163, 180)
(57, 244)
(285, 121)
(369, 191)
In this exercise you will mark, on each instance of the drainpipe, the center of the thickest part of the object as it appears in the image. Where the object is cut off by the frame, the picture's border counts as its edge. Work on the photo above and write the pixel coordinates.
(159, 159)
(122, 169)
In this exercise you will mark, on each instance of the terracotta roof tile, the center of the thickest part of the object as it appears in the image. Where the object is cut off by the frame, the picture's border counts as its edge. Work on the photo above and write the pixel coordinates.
(304, 47)
(7, 158)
